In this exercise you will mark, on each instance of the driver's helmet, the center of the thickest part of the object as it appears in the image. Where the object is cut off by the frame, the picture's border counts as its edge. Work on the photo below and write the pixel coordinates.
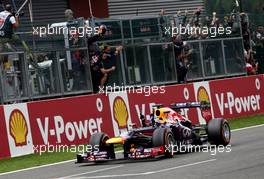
(165, 115)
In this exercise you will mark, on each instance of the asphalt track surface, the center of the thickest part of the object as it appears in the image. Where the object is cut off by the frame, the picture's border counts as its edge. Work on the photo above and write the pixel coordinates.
(246, 160)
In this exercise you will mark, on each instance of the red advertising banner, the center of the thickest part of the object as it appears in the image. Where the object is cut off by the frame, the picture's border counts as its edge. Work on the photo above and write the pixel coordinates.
(72, 120)
(69, 121)
(4, 149)
(237, 97)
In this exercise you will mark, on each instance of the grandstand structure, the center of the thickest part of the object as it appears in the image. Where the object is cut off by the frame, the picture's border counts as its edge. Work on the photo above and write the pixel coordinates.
(119, 8)
(43, 10)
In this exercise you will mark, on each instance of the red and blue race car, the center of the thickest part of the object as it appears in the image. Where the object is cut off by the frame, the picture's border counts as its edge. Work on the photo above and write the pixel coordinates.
(167, 130)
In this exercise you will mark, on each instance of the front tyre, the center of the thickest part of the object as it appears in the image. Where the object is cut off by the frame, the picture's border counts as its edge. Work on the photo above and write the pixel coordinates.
(219, 132)
(163, 137)
(99, 140)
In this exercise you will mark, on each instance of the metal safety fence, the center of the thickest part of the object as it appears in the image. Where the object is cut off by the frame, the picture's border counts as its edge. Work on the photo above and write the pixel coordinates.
(59, 64)
(57, 75)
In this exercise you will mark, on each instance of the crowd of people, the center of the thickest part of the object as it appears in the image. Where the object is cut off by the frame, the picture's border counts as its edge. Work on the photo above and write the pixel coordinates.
(102, 58)
(200, 26)
(237, 22)
(254, 52)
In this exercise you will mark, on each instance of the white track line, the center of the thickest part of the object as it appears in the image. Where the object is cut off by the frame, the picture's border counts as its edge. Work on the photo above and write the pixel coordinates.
(251, 127)
(67, 161)
(42, 166)
(149, 173)
(95, 171)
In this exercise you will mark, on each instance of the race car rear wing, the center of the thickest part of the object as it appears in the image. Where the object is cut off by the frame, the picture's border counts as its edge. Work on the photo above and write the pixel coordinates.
(202, 105)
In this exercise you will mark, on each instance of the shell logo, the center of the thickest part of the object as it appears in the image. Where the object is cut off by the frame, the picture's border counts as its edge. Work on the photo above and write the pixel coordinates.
(18, 128)
(203, 96)
(120, 112)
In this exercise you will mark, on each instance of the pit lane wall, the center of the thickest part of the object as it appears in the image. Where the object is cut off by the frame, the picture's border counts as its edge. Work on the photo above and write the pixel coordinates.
(25, 126)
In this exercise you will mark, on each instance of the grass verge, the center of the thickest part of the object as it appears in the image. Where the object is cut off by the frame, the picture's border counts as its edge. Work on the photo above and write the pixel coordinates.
(246, 121)
(48, 158)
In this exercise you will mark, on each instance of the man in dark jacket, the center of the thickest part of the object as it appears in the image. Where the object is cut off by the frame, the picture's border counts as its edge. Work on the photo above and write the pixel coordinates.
(94, 53)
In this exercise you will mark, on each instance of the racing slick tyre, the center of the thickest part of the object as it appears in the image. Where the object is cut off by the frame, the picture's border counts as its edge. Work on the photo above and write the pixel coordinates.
(163, 137)
(219, 132)
(99, 139)
(79, 159)
(126, 148)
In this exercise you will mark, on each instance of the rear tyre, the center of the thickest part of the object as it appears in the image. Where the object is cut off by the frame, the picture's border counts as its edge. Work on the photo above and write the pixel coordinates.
(219, 132)
(163, 137)
(126, 148)
(79, 158)
(97, 141)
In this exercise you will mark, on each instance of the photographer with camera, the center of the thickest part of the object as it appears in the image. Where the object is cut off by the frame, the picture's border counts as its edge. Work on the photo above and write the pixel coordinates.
(8, 22)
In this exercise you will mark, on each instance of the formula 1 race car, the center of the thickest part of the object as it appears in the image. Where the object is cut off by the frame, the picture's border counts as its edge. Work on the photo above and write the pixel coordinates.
(167, 129)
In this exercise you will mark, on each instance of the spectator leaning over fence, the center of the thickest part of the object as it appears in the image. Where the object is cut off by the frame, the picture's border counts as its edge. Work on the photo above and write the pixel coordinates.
(259, 41)
(245, 29)
(108, 63)
(251, 65)
(94, 52)
(107, 66)
(181, 58)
